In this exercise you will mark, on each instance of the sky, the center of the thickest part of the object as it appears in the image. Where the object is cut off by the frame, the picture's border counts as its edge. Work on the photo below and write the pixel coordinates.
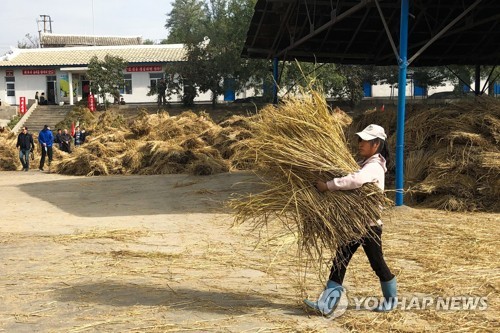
(144, 18)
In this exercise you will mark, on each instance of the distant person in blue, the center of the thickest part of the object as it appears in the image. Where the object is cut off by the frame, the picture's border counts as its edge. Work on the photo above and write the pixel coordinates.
(46, 139)
(25, 145)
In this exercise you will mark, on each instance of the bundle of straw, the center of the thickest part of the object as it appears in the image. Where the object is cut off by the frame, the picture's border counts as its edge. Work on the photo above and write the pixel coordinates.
(9, 155)
(295, 145)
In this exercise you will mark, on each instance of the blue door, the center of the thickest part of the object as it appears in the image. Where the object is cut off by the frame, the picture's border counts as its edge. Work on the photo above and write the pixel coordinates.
(367, 89)
(419, 91)
(229, 94)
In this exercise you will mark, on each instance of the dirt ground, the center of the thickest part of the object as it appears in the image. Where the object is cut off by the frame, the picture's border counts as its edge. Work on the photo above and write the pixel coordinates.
(159, 254)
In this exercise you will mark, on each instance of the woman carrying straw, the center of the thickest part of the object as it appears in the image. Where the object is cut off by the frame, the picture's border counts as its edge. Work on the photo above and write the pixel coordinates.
(373, 149)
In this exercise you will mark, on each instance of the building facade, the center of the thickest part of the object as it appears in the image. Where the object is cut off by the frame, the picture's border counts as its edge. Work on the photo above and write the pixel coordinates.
(58, 71)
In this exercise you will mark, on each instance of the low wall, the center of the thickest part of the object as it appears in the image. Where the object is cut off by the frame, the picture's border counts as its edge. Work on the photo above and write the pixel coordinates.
(6, 114)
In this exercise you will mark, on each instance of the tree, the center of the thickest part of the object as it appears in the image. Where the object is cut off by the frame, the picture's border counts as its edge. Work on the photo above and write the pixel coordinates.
(298, 74)
(428, 77)
(106, 75)
(213, 32)
(28, 42)
(184, 21)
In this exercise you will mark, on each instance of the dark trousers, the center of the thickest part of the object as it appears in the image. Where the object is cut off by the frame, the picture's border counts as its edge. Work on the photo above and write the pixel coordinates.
(162, 100)
(45, 153)
(372, 245)
(66, 147)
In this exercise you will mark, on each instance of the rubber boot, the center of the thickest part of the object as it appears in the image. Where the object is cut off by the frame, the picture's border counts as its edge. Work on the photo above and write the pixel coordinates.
(328, 300)
(389, 290)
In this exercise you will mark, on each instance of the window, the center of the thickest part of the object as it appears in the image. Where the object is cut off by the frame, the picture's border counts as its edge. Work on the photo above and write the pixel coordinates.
(10, 85)
(153, 80)
(126, 88)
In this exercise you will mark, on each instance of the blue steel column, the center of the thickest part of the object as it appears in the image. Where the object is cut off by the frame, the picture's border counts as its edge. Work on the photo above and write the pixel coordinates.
(400, 132)
(275, 83)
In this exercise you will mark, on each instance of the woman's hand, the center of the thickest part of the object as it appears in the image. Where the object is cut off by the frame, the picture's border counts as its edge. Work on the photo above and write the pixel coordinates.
(321, 186)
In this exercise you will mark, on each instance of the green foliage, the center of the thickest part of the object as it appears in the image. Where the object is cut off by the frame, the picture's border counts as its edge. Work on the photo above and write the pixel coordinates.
(429, 77)
(184, 23)
(14, 120)
(353, 89)
(214, 32)
(106, 75)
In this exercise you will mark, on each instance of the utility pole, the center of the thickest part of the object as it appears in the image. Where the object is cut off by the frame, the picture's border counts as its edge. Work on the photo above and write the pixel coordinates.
(46, 23)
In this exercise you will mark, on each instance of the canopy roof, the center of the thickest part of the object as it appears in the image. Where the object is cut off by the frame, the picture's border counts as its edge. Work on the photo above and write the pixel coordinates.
(353, 32)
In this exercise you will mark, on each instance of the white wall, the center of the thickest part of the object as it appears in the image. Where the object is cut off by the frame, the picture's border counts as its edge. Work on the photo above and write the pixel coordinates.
(384, 90)
(25, 85)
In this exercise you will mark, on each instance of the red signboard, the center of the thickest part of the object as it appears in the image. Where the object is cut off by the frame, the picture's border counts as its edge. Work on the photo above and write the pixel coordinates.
(9, 72)
(39, 71)
(22, 105)
(155, 68)
(91, 102)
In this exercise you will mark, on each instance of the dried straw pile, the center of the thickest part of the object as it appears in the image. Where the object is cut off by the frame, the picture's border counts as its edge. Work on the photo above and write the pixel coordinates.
(294, 145)
(80, 115)
(9, 155)
(154, 144)
(452, 156)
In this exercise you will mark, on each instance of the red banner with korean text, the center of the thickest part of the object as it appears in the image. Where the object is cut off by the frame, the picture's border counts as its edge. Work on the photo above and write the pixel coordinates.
(155, 68)
(22, 105)
(39, 72)
(91, 103)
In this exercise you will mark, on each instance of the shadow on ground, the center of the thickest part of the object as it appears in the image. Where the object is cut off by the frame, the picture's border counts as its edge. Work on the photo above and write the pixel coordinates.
(130, 294)
(141, 195)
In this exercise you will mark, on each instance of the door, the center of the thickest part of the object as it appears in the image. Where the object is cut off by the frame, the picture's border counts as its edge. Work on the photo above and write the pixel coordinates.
(10, 89)
(85, 89)
(51, 89)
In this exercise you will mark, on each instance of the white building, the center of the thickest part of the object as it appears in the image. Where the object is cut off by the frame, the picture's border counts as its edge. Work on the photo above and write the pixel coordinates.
(57, 71)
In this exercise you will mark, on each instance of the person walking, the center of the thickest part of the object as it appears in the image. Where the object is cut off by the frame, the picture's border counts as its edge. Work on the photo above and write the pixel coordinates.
(46, 140)
(373, 150)
(26, 145)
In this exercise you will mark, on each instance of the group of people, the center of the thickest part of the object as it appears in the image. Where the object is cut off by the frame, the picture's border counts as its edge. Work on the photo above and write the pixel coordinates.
(46, 139)
(41, 99)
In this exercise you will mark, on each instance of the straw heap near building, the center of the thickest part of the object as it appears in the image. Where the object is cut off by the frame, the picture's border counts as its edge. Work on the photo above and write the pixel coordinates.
(452, 155)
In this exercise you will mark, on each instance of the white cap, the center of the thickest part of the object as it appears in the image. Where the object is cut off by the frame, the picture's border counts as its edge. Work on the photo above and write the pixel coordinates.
(372, 132)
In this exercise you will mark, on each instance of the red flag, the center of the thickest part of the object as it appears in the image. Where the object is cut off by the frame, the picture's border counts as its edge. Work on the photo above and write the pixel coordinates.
(73, 129)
